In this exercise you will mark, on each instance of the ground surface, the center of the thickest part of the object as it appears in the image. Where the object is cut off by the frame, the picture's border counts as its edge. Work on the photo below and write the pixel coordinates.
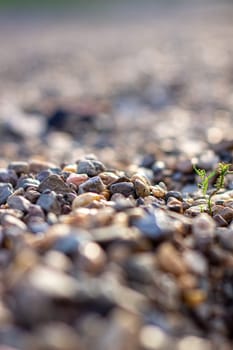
(148, 90)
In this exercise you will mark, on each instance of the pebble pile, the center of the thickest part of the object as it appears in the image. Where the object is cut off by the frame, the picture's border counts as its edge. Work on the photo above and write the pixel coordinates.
(93, 257)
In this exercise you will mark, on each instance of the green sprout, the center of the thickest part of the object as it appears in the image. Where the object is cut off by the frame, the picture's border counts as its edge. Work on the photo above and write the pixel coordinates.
(222, 170)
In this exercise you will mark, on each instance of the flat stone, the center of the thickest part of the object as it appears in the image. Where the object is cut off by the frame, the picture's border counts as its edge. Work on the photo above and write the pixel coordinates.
(54, 183)
(18, 202)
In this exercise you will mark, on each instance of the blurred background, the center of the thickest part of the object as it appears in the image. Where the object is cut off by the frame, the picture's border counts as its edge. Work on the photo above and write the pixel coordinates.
(117, 78)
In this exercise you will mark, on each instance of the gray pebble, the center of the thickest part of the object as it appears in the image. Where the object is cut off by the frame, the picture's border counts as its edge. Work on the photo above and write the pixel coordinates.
(54, 183)
(94, 184)
(18, 202)
(48, 201)
(87, 166)
(6, 190)
(125, 188)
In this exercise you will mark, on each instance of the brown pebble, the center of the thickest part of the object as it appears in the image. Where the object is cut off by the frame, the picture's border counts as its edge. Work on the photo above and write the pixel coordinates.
(170, 260)
(85, 199)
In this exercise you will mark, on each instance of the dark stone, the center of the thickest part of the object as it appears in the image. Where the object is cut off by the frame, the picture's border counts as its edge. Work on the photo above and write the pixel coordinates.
(48, 201)
(54, 183)
(27, 182)
(125, 188)
(8, 176)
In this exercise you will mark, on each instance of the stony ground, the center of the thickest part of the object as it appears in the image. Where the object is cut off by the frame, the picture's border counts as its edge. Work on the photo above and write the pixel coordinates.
(106, 240)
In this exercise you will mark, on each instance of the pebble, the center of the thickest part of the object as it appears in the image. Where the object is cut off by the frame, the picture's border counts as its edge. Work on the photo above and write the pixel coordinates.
(85, 199)
(194, 343)
(12, 226)
(125, 188)
(154, 338)
(76, 179)
(8, 176)
(141, 188)
(174, 194)
(6, 190)
(196, 262)
(19, 167)
(36, 166)
(27, 182)
(155, 225)
(49, 202)
(170, 260)
(94, 184)
(19, 202)
(175, 205)
(90, 167)
(91, 257)
(54, 183)
(203, 229)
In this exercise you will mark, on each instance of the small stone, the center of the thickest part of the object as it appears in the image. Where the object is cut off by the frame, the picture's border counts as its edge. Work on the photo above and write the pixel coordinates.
(18, 202)
(174, 205)
(8, 176)
(174, 194)
(125, 188)
(13, 226)
(90, 167)
(36, 166)
(94, 185)
(70, 168)
(227, 214)
(170, 260)
(108, 177)
(155, 225)
(196, 262)
(6, 190)
(76, 179)
(141, 188)
(19, 167)
(85, 199)
(32, 195)
(54, 183)
(158, 191)
(220, 221)
(194, 297)
(91, 257)
(203, 229)
(27, 182)
(49, 202)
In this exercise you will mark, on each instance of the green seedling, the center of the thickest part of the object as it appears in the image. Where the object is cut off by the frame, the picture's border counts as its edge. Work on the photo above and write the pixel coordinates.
(222, 170)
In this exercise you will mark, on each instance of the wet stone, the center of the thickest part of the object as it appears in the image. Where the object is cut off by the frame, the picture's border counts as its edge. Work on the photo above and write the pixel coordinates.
(19, 167)
(125, 188)
(54, 183)
(6, 190)
(18, 202)
(94, 184)
(49, 202)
